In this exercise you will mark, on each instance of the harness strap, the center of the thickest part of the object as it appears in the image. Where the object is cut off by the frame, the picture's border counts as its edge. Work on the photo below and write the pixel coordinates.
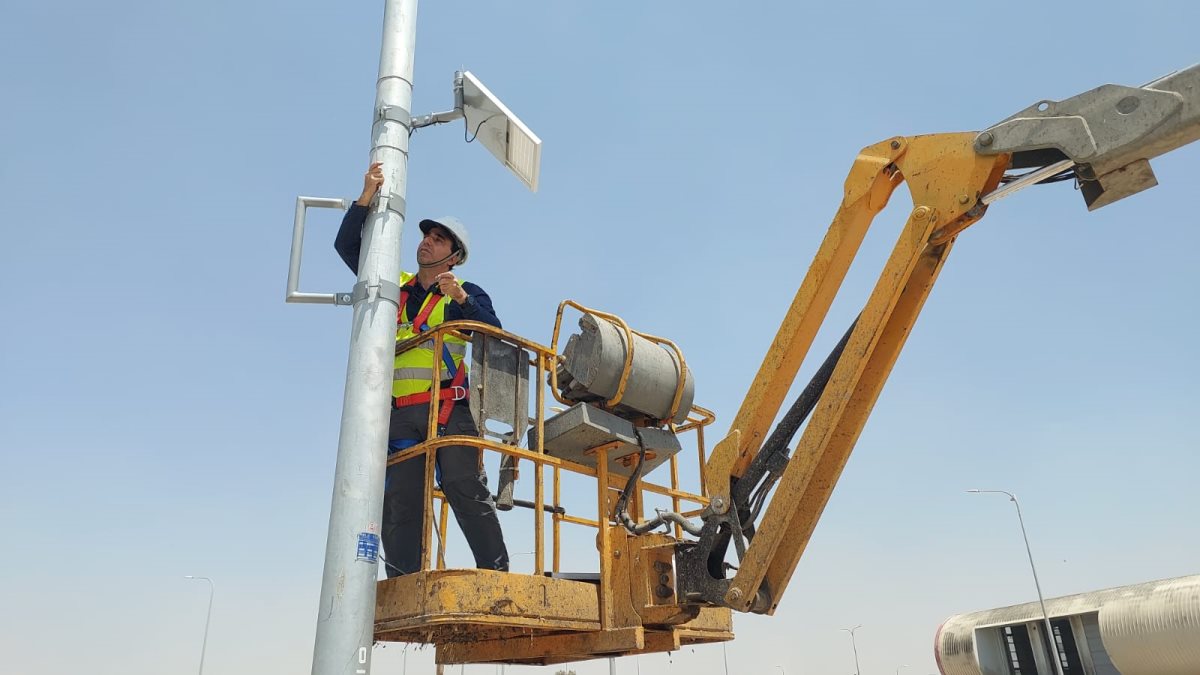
(451, 393)
(421, 322)
(456, 392)
(456, 384)
(449, 396)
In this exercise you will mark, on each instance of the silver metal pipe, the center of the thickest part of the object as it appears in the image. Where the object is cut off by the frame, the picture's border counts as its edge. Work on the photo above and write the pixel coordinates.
(323, 202)
(1031, 178)
(345, 622)
(437, 118)
(312, 298)
(293, 281)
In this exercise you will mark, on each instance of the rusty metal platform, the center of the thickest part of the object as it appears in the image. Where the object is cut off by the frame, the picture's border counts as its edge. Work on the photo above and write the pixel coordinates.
(483, 616)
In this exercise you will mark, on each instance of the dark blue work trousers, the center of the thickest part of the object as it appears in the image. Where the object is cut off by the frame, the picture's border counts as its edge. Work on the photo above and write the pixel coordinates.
(462, 481)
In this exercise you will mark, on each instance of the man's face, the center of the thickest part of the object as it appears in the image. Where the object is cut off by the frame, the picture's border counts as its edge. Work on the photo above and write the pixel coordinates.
(435, 246)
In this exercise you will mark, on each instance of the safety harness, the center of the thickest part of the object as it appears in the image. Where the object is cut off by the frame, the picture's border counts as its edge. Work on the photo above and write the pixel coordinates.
(456, 391)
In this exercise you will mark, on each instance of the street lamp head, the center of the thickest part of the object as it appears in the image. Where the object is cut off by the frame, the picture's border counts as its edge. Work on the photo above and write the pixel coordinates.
(977, 491)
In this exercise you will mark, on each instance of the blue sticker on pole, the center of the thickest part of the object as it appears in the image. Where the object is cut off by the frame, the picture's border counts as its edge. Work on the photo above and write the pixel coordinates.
(368, 547)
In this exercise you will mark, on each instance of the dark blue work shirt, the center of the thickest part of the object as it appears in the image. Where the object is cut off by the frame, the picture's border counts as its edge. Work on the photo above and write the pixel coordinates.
(348, 244)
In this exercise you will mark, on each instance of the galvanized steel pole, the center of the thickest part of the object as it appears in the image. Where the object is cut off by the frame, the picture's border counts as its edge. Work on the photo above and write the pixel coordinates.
(347, 609)
(212, 589)
(1051, 648)
(854, 646)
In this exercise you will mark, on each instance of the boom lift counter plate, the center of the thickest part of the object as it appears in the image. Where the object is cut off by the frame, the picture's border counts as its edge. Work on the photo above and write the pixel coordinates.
(952, 179)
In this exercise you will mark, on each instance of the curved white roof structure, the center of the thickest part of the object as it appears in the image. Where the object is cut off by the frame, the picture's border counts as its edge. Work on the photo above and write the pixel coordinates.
(1151, 628)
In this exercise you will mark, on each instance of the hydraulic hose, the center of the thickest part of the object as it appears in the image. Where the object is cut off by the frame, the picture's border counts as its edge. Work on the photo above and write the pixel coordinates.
(662, 517)
(777, 443)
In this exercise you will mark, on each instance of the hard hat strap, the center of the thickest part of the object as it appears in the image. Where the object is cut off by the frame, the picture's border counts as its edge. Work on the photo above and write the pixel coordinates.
(437, 263)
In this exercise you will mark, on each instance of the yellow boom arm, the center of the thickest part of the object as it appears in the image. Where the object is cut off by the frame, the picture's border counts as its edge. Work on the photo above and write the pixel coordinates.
(946, 178)
(1103, 138)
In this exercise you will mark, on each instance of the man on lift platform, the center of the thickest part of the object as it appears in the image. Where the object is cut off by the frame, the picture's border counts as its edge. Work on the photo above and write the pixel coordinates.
(428, 298)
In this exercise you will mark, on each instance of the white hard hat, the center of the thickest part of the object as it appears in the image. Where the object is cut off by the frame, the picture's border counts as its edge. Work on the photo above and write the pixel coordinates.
(456, 228)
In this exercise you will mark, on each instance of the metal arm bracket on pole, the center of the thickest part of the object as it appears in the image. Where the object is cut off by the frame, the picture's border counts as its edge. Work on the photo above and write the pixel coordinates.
(387, 290)
(393, 202)
(437, 118)
(443, 117)
(394, 113)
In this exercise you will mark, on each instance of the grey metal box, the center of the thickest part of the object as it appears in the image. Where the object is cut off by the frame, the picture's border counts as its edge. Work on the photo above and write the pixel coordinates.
(582, 427)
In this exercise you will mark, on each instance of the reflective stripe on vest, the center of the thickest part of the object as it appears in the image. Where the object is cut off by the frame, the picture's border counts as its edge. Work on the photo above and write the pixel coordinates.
(412, 371)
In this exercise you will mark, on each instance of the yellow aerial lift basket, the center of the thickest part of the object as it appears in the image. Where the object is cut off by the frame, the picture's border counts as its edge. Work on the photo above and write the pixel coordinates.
(551, 615)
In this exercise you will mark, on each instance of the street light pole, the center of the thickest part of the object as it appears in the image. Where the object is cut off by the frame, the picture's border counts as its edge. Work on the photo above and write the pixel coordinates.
(212, 589)
(725, 656)
(346, 617)
(854, 646)
(1050, 646)
(901, 668)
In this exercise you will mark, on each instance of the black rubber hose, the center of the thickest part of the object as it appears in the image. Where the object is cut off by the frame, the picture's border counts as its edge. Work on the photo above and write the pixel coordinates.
(774, 450)
(783, 433)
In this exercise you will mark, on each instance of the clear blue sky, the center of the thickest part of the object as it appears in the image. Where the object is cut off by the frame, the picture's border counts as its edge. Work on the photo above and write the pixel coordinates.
(164, 413)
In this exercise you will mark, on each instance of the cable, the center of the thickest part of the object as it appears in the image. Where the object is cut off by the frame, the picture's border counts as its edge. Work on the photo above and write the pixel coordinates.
(436, 530)
(662, 516)
(477, 128)
(623, 500)
(1056, 178)
(772, 459)
(385, 562)
(760, 497)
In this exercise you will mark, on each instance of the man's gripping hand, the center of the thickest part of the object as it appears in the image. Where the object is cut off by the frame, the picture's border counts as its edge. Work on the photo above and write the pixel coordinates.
(372, 181)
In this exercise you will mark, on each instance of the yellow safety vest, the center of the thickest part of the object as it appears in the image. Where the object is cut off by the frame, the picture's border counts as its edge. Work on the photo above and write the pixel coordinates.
(413, 370)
